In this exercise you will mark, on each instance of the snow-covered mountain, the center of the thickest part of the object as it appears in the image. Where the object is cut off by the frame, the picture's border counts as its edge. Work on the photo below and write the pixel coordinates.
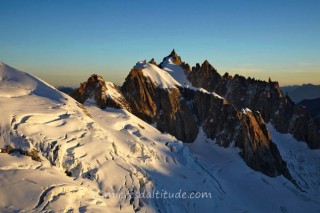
(180, 100)
(59, 155)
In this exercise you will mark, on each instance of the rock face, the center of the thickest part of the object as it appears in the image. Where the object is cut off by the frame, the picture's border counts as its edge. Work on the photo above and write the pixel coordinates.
(207, 75)
(262, 96)
(166, 108)
(247, 130)
(258, 150)
(95, 88)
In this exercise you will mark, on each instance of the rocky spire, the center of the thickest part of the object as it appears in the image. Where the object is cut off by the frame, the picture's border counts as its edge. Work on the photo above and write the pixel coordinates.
(204, 76)
(152, 61)
(206, 62)
(173, 53)
(206, 65)
(175, 58)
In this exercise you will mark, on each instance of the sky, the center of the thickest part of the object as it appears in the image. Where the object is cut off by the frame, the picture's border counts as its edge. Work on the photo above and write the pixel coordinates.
(65, 41)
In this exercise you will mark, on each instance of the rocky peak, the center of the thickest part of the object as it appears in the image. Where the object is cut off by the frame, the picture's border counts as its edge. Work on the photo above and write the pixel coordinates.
(174, 57)
(102, 93)
(227, 76)
(208, 67)
(206, 64)
(173, 53)
(94, 87)
(152, 61)
(200, 75)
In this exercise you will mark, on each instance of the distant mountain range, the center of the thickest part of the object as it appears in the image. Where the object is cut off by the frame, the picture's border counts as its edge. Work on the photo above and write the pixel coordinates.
(64, 89)
(298, 93)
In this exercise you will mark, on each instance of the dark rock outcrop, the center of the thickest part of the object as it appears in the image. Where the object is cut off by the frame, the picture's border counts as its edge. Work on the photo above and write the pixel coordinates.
(262, 96)
(204, 75)
(34, 154)
(258, 150)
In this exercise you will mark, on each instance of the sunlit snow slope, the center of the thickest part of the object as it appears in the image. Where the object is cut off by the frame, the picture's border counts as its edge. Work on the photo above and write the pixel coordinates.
(88, 153)
(170, 76)
(158, 76)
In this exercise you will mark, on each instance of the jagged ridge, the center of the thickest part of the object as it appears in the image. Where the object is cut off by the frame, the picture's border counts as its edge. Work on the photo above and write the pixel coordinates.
(262, 96)
(181, 111)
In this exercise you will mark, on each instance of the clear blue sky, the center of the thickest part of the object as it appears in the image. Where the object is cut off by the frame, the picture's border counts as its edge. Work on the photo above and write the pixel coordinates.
(64, 41)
